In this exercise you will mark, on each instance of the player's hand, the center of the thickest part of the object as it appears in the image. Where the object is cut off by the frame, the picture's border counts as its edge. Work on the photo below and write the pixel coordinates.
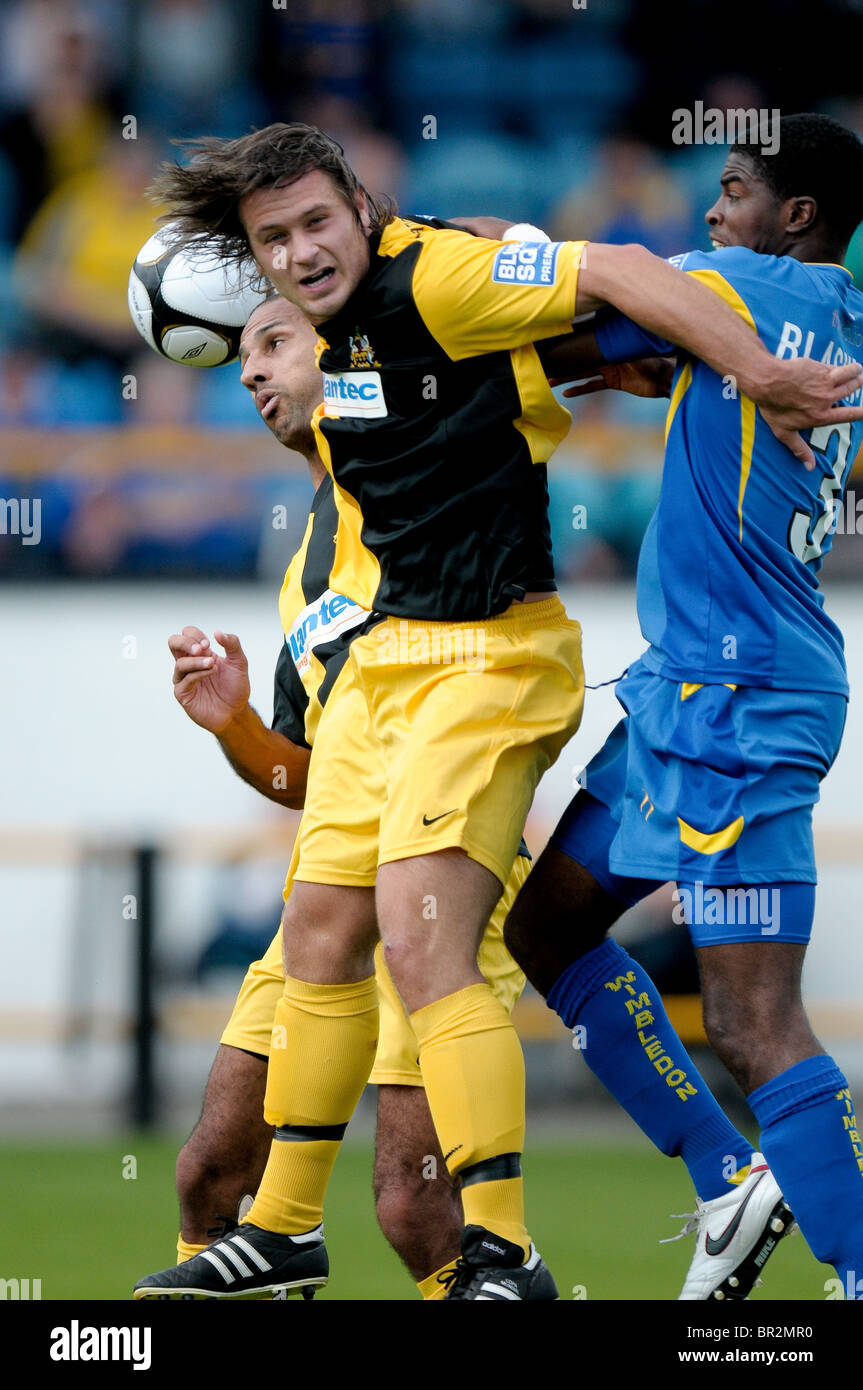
(651, 376)
(804, 395)
(212, 689)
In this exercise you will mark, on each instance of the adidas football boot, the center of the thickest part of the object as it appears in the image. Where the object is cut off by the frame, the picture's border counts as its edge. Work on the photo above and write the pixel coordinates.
(495, 1270)
(248, 1262)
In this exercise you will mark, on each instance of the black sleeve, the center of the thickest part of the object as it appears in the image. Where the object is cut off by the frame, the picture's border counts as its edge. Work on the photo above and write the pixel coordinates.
(289, 701)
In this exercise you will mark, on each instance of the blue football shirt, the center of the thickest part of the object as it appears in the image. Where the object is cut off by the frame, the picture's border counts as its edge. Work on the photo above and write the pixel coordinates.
(727, 585)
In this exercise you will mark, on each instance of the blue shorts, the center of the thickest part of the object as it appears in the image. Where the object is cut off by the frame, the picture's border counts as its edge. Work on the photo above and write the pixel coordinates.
(707, 785)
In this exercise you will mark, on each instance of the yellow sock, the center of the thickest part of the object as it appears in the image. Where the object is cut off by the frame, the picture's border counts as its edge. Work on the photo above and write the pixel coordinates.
(491, 1204)
(473, 1071)
(185, 1250)
(430, 1288)
(323, 1047)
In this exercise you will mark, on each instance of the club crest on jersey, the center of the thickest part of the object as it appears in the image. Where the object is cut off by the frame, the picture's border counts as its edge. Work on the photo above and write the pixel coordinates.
(526, 263)
(354, 393)
(362, 352)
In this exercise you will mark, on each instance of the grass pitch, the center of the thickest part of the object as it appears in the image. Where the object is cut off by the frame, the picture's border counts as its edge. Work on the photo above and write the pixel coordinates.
(75, 1217)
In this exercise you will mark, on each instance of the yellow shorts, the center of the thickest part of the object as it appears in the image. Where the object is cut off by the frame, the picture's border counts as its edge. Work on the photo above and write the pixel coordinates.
(467, 718)
(396, 1064)
(337, 841)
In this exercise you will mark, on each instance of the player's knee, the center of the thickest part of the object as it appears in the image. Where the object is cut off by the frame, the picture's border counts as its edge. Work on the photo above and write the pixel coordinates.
(400, 955)
(755, 1035)
(556, 919)
(753, 1011)
(740, 1035)
(724, 1037)
(406, 972)
(327, 926)
(534, 919)
(416, 962)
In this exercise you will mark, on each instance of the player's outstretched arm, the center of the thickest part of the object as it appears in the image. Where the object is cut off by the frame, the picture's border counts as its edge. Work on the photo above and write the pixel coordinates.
(577, 357)
(571, 356)
(793, 394)
(650, 377)
(214, 691)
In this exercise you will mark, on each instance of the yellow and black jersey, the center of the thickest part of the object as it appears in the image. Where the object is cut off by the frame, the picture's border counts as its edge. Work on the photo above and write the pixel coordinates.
(437, 421)
(319, 626)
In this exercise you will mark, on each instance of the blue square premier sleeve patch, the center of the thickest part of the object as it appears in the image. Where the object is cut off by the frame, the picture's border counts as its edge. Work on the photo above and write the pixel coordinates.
(526, 263)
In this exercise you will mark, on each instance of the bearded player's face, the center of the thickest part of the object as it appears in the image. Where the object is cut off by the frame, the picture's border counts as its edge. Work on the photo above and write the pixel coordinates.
(277, 357)
(309, 241)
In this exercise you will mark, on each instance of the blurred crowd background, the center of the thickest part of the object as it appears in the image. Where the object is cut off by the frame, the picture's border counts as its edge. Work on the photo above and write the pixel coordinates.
(549, 111)
(127, 467)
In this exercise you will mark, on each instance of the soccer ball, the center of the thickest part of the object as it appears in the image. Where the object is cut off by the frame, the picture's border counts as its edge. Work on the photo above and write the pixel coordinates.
(191, 305)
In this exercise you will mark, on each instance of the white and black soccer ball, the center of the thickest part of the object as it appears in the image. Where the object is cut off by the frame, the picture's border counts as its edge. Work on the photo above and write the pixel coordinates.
(190, 304)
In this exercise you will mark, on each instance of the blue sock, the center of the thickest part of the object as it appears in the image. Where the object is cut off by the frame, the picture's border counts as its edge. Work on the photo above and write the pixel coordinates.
(811, 1141)
(629, 1043)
